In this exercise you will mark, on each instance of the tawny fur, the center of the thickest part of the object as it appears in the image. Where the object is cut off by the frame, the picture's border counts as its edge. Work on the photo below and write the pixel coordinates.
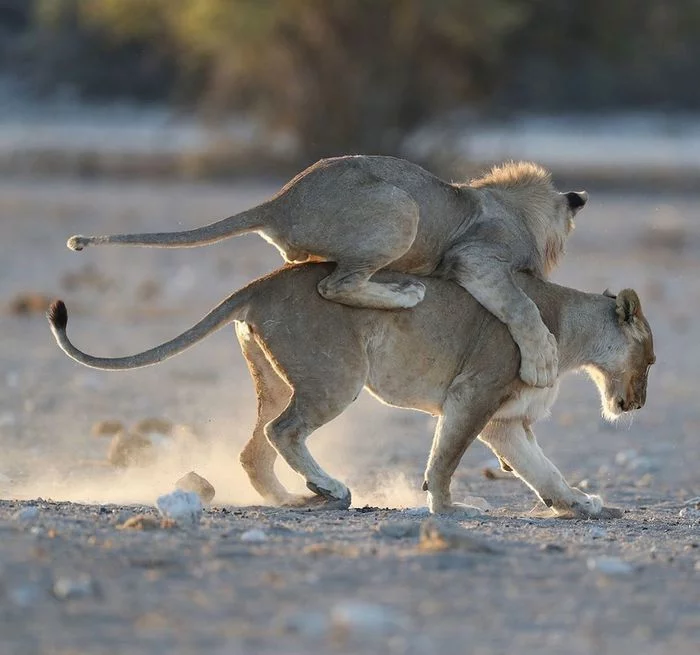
(448, 357)
(369, 213)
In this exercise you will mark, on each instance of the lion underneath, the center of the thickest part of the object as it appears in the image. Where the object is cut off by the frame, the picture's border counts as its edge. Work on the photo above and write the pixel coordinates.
(449, 357)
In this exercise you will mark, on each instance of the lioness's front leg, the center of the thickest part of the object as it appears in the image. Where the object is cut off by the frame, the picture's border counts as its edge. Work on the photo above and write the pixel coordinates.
(488, 278)
(514, 442)
(464, 413)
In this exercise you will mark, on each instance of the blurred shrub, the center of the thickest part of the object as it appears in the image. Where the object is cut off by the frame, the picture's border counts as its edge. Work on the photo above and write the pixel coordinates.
(343, 75)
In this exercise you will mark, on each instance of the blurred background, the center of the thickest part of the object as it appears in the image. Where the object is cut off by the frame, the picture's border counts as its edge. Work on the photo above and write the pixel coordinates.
(214, 88)
(157, 115)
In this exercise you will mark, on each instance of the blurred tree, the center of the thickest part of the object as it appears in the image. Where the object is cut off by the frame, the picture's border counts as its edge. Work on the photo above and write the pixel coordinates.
(344, 75)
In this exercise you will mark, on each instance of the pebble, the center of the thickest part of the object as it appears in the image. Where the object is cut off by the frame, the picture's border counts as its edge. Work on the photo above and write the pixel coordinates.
(199, 485)
(254, 536)
(352, 616)
(438, 536)
(139, 522)
(82, 586)
(26, 514)
(398, 529)
(690, 514)
(552, 548)
(183, 507)
(609, 566)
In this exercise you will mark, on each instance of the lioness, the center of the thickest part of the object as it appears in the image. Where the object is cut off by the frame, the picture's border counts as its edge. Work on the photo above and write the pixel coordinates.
(448, 356)
(372, 213)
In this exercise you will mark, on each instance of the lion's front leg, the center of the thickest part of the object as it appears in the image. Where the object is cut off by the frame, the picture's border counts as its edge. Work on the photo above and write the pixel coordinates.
(514, 442)
(488, 278)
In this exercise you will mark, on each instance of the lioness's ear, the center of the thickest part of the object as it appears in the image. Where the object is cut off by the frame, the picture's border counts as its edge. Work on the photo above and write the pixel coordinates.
(576, 200)
(628, 306)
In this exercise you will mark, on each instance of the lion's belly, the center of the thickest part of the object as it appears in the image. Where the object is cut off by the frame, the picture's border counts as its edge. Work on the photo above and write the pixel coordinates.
(529, 405)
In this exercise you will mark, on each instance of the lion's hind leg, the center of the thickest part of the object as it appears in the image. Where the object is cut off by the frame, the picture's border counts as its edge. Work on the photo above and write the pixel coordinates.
(514, 442)
(376, 229)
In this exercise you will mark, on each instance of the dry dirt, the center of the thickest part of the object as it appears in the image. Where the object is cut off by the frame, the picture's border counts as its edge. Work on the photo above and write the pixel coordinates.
(252, 579)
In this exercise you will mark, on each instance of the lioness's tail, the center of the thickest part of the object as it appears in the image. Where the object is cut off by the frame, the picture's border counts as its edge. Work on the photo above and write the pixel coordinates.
(247, 221)
(229, 310)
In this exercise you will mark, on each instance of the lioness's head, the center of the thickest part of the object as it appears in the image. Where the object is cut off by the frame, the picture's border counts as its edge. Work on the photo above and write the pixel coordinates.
(622, 382)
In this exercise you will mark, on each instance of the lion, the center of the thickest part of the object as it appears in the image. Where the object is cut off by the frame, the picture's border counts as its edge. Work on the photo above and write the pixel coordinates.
(367, 213)
(447, 356)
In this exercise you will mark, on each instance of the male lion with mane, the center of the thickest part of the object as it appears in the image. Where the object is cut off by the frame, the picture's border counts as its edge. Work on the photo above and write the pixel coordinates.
(310, 359)
(367, 213)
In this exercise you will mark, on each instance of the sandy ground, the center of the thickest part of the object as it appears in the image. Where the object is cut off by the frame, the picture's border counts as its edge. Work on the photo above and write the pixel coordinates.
(355, 581)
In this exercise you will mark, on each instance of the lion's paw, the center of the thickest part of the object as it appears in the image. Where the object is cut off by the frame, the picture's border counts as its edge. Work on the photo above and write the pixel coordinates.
(539, 362)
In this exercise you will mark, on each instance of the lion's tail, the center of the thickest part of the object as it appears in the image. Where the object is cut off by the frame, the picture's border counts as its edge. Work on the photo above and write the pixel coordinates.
(227, 311)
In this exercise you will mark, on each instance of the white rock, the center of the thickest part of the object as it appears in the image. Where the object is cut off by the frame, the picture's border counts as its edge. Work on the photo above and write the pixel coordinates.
(365, 618)
(610, 565)
(254, 536)
(183, 507)
(79, 587)
(26, 514)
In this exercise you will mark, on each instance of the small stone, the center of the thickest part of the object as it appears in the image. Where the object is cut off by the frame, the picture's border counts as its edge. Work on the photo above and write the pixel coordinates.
(82, 586)
(352, 616)
(183, 507)
(254, 536)
(690, 514)
(438, 536)
(129, 449)
(610, 566)
(26, 514)
(552, 548)
(139, 522)
(199, 485)
(399, 529)
(107, 428)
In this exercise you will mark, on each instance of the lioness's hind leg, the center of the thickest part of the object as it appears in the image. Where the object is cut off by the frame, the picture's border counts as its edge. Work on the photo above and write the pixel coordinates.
(288, 434)
(258, 456)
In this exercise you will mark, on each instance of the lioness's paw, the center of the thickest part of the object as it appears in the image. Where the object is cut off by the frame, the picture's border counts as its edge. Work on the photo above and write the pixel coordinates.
(539, 361)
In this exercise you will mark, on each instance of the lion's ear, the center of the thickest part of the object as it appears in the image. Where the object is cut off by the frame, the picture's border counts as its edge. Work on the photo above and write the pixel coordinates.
(577, 200)
(628, 306)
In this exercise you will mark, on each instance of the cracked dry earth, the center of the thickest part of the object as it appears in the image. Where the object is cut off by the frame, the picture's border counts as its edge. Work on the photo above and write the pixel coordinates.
(258, 580)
